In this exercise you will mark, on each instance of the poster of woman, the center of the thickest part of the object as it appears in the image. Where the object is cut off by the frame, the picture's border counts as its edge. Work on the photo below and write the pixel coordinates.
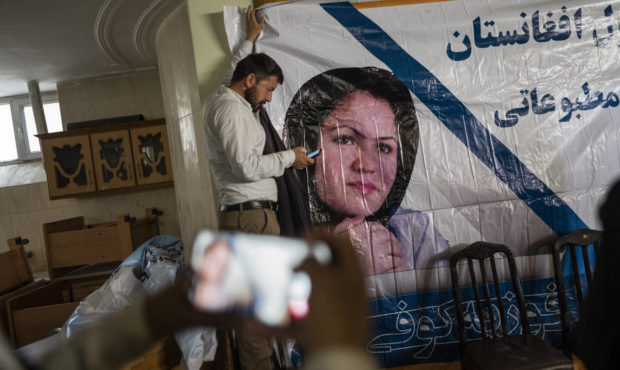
(364, 122)
(511, 143)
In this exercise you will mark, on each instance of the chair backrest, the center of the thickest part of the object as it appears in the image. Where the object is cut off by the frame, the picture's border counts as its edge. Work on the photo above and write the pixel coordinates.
(70, 243)
(581, 238)
(14, 267)
(482, 251)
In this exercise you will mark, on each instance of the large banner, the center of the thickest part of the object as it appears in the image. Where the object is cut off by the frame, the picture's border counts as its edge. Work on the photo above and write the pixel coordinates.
(442, 124)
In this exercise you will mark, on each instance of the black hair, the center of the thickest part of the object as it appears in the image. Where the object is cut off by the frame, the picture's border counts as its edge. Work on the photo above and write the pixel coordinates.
(319, 96)
(261, 65)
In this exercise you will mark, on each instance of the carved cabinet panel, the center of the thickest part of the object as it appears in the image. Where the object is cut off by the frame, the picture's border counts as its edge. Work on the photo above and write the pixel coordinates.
(151, 154)
(112, 159)
(68, 165)
(115, 157)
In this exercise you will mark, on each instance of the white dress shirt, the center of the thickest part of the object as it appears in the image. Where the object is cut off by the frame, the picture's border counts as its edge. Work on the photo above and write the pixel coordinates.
(235, 142)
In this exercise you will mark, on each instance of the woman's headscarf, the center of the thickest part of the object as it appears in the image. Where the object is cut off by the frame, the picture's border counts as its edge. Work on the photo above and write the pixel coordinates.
(319, 96)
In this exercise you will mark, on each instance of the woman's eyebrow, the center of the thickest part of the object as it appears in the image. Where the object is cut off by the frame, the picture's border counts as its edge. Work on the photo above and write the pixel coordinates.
(388, 138)
(341, 126)
(358, 133)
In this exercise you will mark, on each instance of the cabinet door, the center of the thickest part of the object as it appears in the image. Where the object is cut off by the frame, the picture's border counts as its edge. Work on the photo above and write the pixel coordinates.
(151, 154)
(112, 159)
(68, 165)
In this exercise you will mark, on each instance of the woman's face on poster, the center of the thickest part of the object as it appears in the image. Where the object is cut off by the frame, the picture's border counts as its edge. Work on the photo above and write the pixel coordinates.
(357, 166)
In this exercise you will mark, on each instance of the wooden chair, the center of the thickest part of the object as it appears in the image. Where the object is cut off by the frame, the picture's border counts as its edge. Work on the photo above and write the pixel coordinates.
(70, 243)
(85, 280)
(15, 277)
(497, 349)
(4, 317)
(14, 268)
(34, 313)
(581, 238)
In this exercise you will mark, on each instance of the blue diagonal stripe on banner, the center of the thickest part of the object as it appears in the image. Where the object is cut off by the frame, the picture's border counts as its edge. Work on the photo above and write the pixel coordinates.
(458, 119)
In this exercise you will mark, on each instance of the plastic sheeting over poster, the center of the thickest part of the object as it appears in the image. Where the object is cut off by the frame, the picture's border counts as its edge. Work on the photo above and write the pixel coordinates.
(512, 136)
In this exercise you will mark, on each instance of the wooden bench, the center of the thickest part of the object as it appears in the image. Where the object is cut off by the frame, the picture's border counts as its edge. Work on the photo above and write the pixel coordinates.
(15, 277)
(70, 243)
(87, 279)
(80, 258)
(14, 268)
(36, 312)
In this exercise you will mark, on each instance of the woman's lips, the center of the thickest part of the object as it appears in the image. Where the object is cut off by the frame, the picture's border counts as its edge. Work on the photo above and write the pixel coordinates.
(363, 188)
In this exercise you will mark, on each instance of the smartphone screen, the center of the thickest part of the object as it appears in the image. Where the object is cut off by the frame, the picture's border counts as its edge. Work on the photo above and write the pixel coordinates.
(315, 153)
(253, 275)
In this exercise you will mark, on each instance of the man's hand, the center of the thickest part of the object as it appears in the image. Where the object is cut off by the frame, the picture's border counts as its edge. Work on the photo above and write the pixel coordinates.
(170, 311)
(338, 307)
(337, 316)
(252, 25)
(301, 159)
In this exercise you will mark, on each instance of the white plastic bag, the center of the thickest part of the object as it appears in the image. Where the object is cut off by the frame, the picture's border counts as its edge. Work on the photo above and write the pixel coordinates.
(150, 268)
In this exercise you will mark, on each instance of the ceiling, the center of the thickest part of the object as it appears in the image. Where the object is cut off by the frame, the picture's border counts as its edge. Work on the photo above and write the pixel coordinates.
(58, 40)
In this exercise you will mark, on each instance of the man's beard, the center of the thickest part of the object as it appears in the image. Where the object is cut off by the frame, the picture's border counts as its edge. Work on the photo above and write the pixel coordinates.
(250, 97)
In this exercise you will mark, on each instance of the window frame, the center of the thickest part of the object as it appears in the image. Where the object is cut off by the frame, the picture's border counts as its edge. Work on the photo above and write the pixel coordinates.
(18, 103)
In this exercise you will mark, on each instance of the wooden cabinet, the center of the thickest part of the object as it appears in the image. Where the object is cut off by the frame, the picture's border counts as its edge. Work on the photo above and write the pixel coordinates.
(68, 165)
(151, 154)
(106, 158)
(112, 159)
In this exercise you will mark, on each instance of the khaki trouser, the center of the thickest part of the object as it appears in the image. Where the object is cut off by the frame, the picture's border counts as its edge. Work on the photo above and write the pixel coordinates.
(254, 221)
(254, 353)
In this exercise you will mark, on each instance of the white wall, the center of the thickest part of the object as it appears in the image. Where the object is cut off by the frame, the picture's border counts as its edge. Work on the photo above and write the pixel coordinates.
(192, 177)
(209, 39)
(111, 96)
(24, 209)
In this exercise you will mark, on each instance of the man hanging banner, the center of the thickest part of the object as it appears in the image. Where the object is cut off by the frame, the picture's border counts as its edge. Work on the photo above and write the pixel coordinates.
(441, 124)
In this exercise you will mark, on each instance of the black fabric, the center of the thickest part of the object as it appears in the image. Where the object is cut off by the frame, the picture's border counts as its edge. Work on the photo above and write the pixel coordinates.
(598, 330)
(513, 352)
(292, 215)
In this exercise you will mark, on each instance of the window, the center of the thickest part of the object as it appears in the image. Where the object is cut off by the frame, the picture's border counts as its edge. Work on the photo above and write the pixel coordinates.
(8, 149)
(18, 128)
